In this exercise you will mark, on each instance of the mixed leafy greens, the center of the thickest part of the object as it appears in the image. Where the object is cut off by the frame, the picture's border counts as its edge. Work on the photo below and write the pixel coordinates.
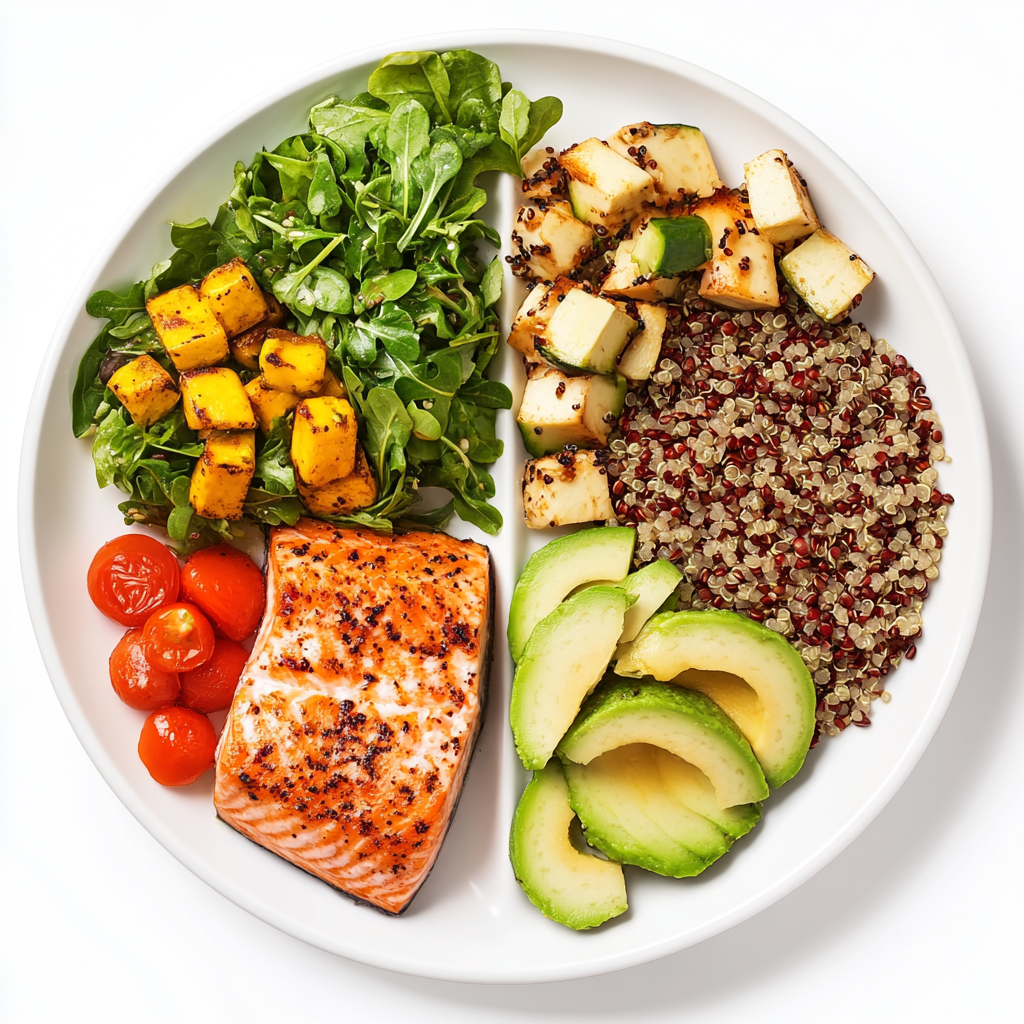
(363, 227)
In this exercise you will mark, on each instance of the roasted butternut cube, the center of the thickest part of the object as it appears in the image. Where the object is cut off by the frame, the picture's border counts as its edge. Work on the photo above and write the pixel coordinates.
(214, 399)
(246, 347)
(332, 386)
(339, 497)
(323, 440)
(187, 328)
(222, 476)
(234, 296)
(268, 403)
(145, 389)
(290, 362)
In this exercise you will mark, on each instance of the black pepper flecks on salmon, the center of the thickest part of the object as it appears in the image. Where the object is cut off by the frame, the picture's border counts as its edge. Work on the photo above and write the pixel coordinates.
(349, 735)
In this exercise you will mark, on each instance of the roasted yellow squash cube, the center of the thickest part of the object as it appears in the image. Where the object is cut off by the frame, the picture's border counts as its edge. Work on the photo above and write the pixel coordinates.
(268, 404)
(332, 387)
(187, 328)
(246, 347)
(234, 296)
(291, 362)
(145, 389)
(323, 440)
(214, 399)
(339, 497)
(221, 478)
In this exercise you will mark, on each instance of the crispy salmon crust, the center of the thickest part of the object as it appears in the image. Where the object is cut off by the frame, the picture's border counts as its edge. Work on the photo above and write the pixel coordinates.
(354, 721)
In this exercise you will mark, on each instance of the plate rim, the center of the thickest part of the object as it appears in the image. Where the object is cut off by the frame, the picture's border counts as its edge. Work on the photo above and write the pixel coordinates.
(971, 599)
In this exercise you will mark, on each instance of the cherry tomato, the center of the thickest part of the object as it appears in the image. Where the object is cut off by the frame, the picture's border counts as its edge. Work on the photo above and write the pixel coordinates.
(211, 686)
(131, 576)
(135, 681)
(177, 745)
(177, 638)
(228, 586)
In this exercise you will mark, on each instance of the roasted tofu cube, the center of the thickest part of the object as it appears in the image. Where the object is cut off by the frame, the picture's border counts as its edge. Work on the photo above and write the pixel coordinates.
(676, 156)
(641, 356)
(544, 177)
(187, 328)
(571, 487)
(606, 189)
(741, 274)
(586, 332)
(268, 403)
(779, 201)
(339, 497)
(291, 362)
(222, 476)
(826, 274)
(323, 440)
(214, 399)
(537, 309)
(234, 296)
(145, 389)
(550, 241)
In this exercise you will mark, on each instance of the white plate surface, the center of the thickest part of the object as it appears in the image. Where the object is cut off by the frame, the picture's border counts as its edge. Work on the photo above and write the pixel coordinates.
(470, 921)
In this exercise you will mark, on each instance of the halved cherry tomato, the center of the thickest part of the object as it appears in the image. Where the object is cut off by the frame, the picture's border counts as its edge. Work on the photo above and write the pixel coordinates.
(177, 638)
(211, 686)
(135, 681)
(228, 586)
(131, 576)
(177, 745)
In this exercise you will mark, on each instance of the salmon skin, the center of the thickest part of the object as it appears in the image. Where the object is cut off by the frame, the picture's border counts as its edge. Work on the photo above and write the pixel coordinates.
(353, 724)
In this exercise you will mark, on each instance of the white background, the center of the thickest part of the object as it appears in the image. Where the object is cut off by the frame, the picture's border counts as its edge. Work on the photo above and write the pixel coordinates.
(919, 920)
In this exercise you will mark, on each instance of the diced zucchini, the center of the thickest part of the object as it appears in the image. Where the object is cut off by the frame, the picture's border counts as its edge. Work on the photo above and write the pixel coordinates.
(826, 275)
(741, 274)
(214, 399)
(586, 332)
(670, 246)
(531, 322)
(544, 175)
(779, 201)
(268, 403)
(558, 410)
(222, 475)
(234, 296)
(145, 389)
(339, 497)
(571, 487)
(323, 440)
(187, 328)
(605, 188)
(291, 362)
(675, 155)
(551, 241)
(641, 357)
(626, 280)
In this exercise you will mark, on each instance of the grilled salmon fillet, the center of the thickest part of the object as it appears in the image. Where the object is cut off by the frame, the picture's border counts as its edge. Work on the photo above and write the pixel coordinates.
(354, 721)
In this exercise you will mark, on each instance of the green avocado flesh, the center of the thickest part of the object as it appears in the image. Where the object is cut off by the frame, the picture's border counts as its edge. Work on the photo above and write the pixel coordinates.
(567, 886)
(669, 246)
(634, 815)
(564, 659)
(770, 695)
(652, 586)
(603, 553)
(684, 722)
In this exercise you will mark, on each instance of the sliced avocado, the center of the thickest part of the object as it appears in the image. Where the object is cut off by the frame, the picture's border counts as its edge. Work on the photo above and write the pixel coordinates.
(564, 659)
(567, 886)
(669, 246)
(632, 817)
(702, 649)
(652, 586)
(603, 553)
(685, 722)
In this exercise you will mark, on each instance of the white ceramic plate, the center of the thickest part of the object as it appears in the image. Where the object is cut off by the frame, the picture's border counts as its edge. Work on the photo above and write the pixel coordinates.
(470, 921)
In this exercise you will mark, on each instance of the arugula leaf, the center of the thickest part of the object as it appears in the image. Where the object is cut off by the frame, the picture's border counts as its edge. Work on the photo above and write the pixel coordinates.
(545, 113)
(514, 122)
(273, 464)
(116, 307)
(421, 76)
(324, 196)
(431, 170)
(490, 283)
(408, 135)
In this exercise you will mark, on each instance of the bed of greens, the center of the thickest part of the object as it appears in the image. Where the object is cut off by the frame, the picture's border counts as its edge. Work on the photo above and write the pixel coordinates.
(364, 227)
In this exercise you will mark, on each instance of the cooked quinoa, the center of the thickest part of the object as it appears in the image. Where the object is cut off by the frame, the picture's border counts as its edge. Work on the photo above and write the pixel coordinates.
(788, 468)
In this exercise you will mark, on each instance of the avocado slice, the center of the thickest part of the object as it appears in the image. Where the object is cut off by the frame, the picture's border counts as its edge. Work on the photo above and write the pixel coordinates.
(602, 553)
(567, 886)
(685, 722)
(754, 674)
(564, 659)
(652, 586)
(669, 246)
(631, 816)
